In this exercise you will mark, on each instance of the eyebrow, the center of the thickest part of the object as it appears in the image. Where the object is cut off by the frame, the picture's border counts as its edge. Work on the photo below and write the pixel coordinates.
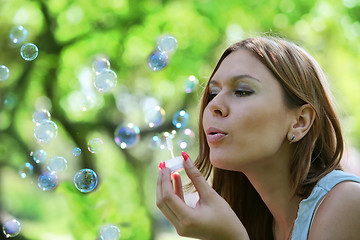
(235, 78)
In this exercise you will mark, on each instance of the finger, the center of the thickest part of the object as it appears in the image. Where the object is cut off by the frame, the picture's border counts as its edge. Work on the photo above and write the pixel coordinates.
(173, 201)
(178, 189)
(162, 205)
(200, 183)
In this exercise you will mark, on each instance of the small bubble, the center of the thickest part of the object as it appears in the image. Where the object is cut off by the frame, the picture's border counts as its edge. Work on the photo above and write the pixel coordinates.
(180, 119)
(26, 170)
(47, 181)
(39, 156)
(127, 136)
(166, 43)
(45, 131)
(105, 81)
(11, 228)
(95, 145)
(100, 64)
(85, 180)
(40, 115)
(154, 116)
(191, 82)
(109, 232)
(29, 51)
(57, 164)
(4, 73)
(186, 138)
(76, 152)
(158, 60)
(18, 34)
(154, 142)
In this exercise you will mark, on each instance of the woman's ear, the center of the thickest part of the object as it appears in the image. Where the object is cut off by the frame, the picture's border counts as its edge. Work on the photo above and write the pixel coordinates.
(304, 118)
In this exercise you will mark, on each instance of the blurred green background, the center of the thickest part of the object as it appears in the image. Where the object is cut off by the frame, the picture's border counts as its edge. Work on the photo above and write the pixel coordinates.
(71, 33)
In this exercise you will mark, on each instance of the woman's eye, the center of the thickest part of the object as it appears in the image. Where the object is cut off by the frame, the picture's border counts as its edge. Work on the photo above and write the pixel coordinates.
(211, 96)
(243, 92)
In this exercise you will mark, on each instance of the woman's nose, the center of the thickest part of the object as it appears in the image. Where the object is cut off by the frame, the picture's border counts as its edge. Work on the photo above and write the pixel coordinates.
(218, 106)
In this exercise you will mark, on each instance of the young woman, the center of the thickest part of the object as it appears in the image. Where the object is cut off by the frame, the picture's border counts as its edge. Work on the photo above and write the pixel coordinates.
(270, 144)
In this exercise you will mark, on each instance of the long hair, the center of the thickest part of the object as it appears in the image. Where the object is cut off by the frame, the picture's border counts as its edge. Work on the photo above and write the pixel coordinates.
(316, 154)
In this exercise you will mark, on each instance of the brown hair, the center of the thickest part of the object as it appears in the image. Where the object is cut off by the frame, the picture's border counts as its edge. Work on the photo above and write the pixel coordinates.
(316, 154)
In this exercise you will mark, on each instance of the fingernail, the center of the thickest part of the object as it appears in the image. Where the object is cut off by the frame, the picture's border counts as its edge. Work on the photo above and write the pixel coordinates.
(163, 165)
(160, 166)
(185, 156)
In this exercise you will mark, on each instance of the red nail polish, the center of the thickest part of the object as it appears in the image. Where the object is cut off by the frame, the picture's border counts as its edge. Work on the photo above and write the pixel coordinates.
(163, 165)
(185, 156)
(160, 165)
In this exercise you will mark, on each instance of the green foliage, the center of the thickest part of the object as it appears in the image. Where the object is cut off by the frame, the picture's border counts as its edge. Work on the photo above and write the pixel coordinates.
(70, 34)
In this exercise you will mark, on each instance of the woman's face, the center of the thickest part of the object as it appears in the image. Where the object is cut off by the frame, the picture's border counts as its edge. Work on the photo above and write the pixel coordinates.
(246, 119)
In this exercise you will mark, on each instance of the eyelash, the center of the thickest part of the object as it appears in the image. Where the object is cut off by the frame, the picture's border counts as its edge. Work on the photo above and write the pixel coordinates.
(238, 93)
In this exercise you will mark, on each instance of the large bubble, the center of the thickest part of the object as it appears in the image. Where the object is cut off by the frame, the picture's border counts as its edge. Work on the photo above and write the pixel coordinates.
(29, 51)
(180, 119)
(105, 80)
(40, 115)
(45, 131)
(158, 60)
(166, 43)
(40, 156)
(109, 232)
(95, 145)
(18, 34)
(11, 228)
(47, 181)
(57, 164)
(4, 73)
(127, 136)
(154, 116)
(85, 180)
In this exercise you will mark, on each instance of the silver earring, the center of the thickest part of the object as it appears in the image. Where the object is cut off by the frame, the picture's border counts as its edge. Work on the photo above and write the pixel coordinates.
(292, 139)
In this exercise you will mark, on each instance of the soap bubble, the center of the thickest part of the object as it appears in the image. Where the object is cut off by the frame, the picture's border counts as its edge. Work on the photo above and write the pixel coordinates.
(166, 43)
(95, 145)
(186, 138)
(39, 156)
(4, 73)
(180, 119)
(100, 64)
(158, 60)
(10, 101)
(57, 164)
(154, 142)
(109, 232)
(191, 82)
(154, 116)
(11, 228)
(45, 131)
(105, 81)
(18, 34)
(127, 136)
(40, 115)
(29, 51)
(26, 170)
(76, 151)
(47, 181)
(85, 180)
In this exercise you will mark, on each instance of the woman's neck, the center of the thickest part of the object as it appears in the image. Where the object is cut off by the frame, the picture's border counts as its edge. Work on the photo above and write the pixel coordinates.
(271, 179)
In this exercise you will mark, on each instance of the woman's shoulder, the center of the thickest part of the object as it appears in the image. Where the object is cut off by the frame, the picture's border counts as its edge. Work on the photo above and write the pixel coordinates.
(338, 216)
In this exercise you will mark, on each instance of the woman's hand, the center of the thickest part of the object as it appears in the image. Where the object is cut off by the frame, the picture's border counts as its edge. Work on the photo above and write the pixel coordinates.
(212, 217)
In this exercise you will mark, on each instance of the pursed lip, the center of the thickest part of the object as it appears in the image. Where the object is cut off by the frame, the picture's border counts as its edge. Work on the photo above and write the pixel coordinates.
(215, 135)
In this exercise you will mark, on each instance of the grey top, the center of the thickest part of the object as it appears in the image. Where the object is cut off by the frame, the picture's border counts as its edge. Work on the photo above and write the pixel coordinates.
(308, 206)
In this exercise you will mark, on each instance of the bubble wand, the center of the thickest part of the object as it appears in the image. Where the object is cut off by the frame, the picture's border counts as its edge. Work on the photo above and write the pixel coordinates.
(176, 163)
